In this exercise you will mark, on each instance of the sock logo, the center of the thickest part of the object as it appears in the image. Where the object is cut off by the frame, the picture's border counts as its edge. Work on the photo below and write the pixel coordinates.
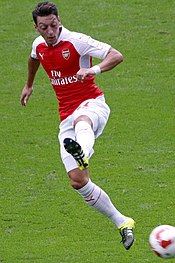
(93, 197)
(90, 199)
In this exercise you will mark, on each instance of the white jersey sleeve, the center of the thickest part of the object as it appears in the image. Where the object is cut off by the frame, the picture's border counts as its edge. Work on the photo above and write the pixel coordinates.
(37, 41)
(86, 45)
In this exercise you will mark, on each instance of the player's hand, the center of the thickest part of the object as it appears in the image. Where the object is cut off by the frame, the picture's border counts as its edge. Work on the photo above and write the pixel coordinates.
(25, 95)
(84, 73)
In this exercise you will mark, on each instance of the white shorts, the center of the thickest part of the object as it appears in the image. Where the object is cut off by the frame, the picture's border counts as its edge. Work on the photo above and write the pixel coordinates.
(98, 111)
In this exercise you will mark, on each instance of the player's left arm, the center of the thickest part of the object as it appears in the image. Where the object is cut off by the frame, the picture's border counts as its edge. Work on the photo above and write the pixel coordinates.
(112, 59)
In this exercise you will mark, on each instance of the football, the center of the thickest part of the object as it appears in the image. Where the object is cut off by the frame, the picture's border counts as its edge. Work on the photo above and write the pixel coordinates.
(162, 241)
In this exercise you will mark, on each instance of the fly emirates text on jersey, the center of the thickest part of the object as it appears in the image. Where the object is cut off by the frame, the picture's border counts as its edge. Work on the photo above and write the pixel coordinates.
(57, 80)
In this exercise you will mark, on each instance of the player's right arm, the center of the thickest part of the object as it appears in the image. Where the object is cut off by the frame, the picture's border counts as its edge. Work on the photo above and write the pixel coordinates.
(33, 65)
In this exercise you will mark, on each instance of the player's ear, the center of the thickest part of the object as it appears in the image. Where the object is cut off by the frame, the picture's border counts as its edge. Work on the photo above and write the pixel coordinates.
(59, 20)
(36, 28)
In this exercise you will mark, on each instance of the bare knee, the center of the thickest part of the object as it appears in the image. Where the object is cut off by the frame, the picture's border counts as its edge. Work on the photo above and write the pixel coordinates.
(78, 178)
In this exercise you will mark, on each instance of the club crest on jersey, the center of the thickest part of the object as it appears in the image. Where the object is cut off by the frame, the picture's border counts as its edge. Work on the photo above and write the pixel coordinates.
(66, 54)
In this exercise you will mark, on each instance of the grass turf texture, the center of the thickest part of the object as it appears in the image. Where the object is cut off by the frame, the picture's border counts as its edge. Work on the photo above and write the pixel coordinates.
(42, 218)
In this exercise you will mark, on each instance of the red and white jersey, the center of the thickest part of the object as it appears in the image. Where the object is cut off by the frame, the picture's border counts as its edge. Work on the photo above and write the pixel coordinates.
(61, 61)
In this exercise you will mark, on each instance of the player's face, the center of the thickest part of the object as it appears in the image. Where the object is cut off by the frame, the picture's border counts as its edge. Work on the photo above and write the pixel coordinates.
(49, 28)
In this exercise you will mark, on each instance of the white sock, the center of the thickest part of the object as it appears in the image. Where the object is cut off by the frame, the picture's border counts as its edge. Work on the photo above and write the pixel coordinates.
(97, 198)
(85, 136)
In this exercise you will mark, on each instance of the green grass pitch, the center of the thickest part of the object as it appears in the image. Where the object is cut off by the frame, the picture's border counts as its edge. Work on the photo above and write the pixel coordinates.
(42, 219)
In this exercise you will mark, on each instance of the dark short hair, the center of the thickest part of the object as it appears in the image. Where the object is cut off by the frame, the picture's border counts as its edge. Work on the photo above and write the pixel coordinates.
(44, 9)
